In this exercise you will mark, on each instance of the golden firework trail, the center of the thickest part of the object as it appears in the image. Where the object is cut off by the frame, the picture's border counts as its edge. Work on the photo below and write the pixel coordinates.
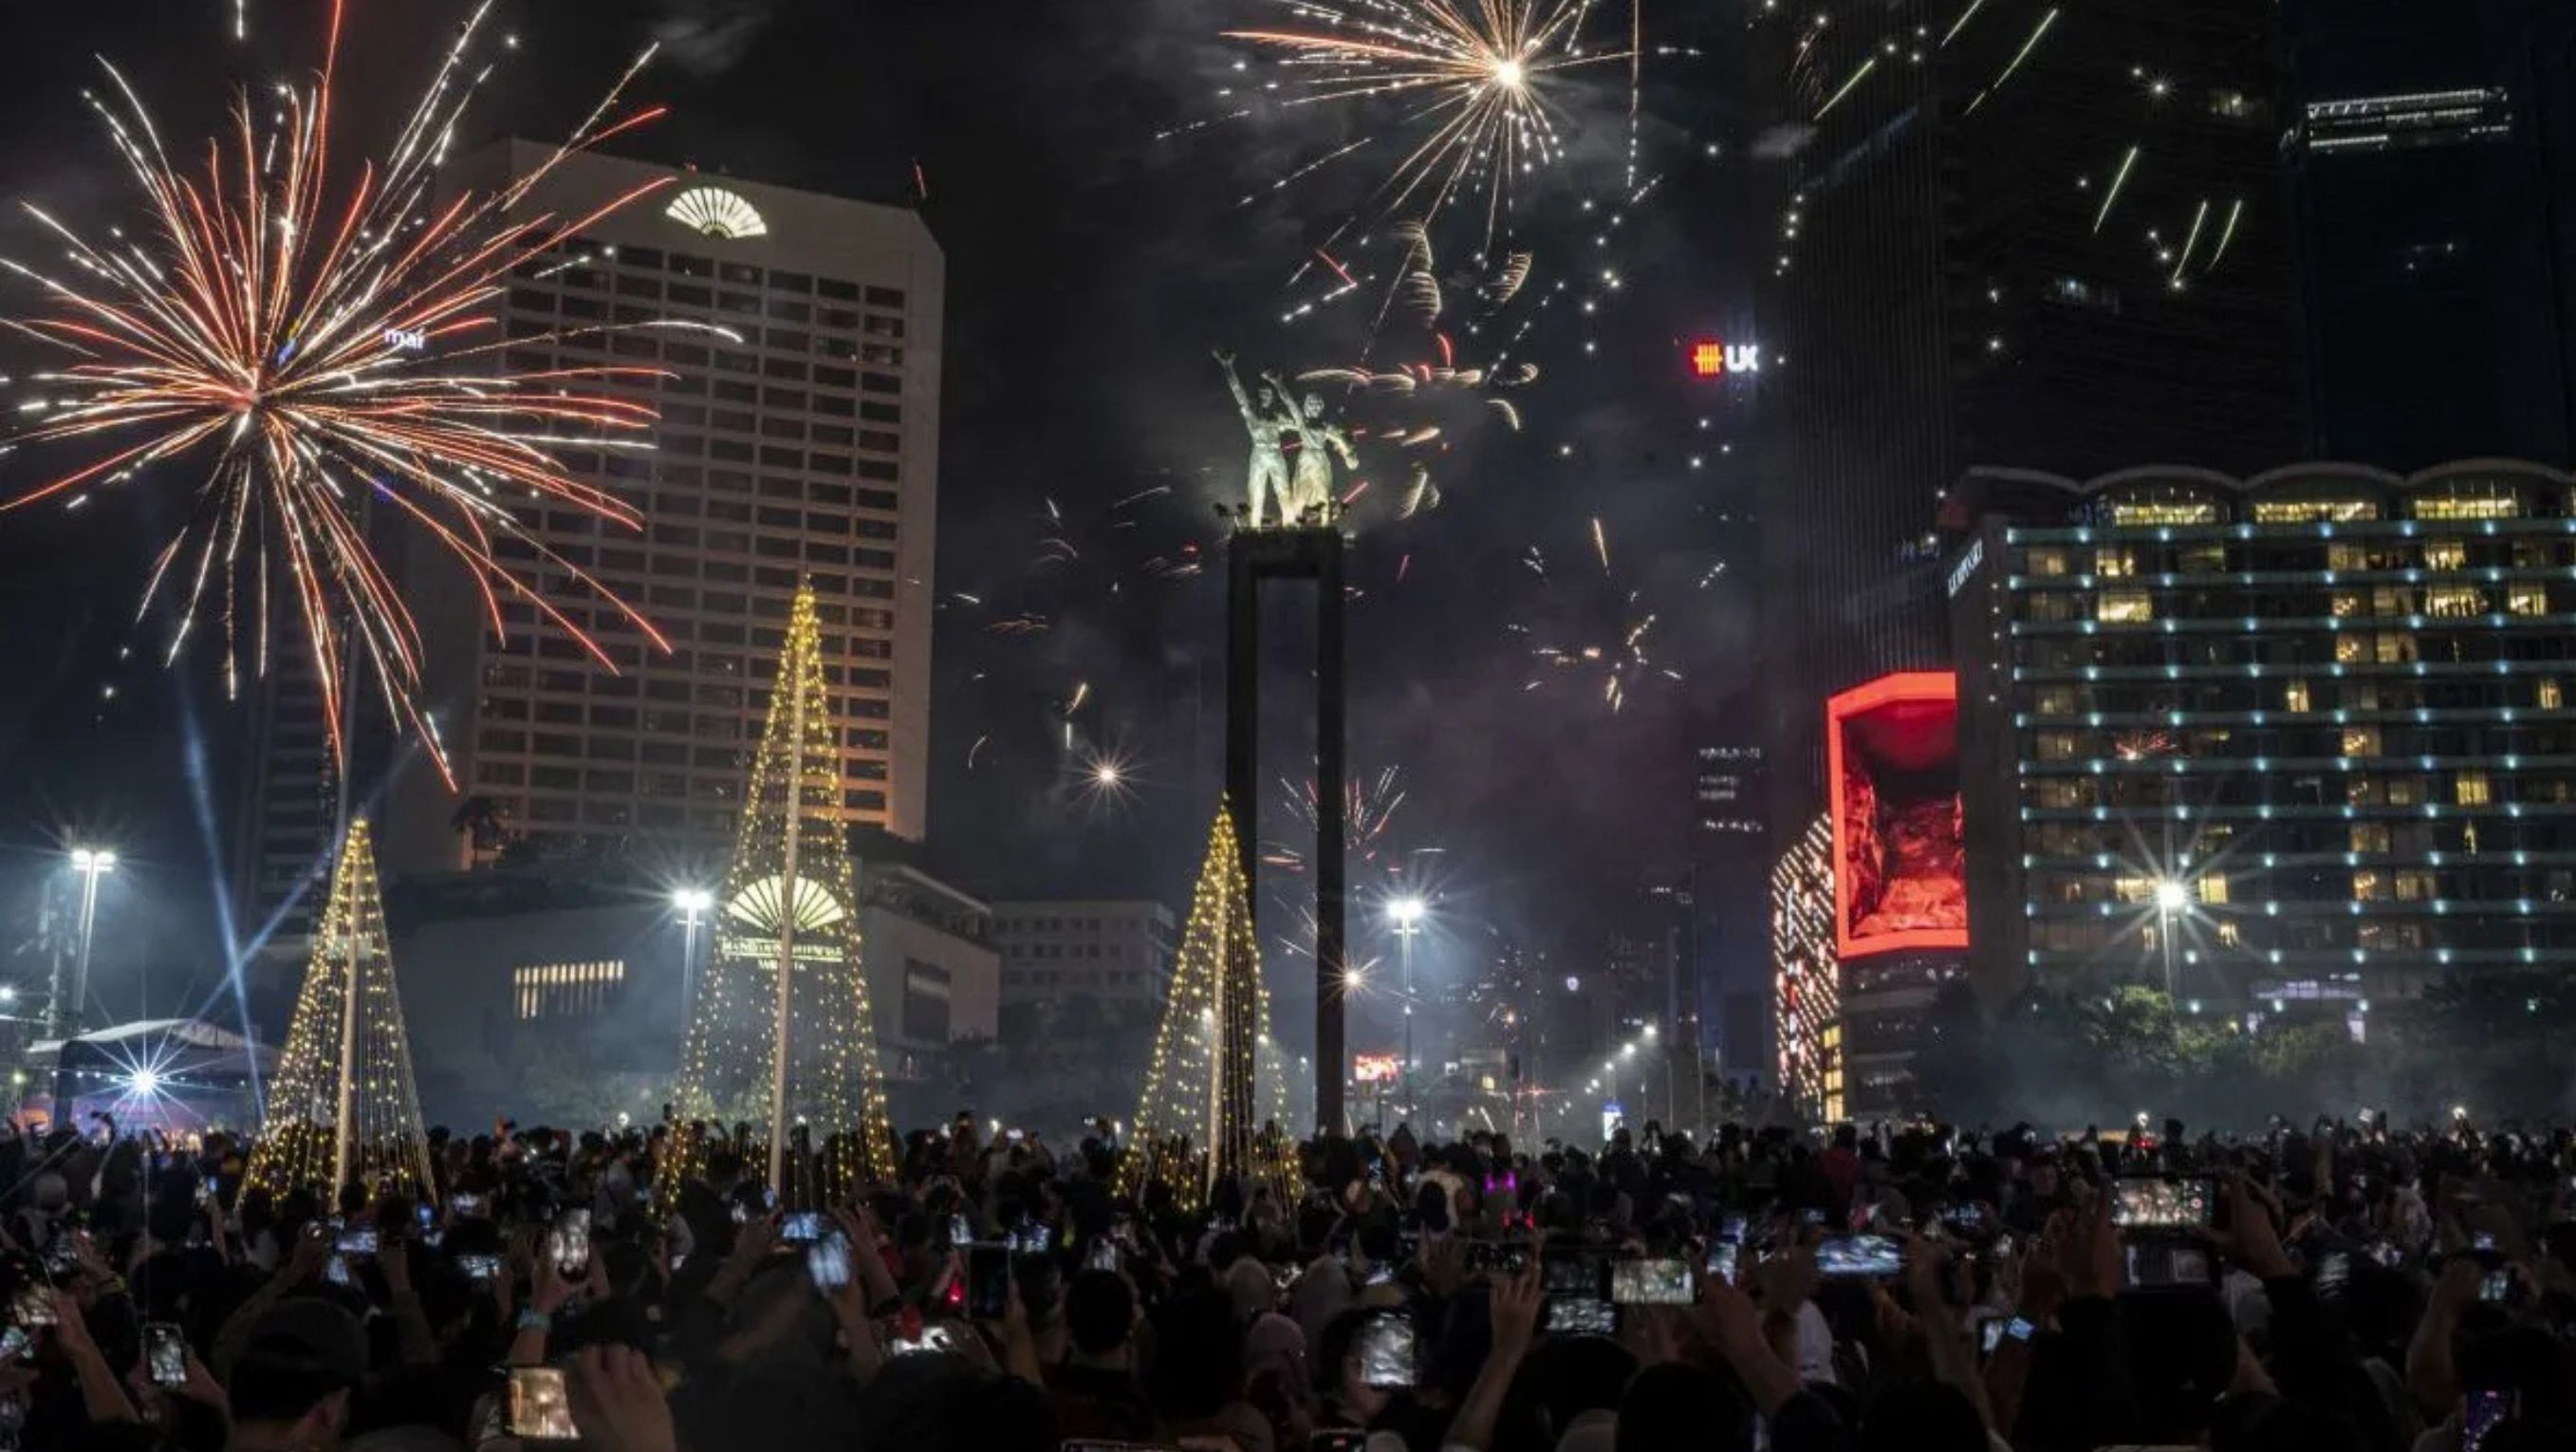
(304, 347)
(1471, 77)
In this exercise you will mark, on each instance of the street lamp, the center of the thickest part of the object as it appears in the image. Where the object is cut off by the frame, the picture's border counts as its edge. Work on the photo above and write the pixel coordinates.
(2172, 898)
(1407, 913)
(691, 903)
(62, 1022)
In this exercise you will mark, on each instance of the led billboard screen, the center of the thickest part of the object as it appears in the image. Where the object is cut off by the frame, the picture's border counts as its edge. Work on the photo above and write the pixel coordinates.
(1900, 871)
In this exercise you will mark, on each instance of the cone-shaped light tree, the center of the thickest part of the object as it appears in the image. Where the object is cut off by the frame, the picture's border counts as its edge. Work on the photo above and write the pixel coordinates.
(782, 1037)
(1213, 1060)
(344, 1106)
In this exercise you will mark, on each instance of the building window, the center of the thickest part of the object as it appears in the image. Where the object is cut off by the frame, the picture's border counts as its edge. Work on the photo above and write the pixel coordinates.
(2417, 887)
(2126, 607)
(2369, 887)
(2446, 554)
(2549, 696)
(2528, 599)
(2314, 511)
(2115, 564)
(2360, 741)
(566, 990)
(2469, 504)
(2213, 888)
(2294, 696)
(2451, 602)
(2050, 564)
(2146, 514)
(2056, 746)
(2394, 649)
(2472, 789)
(2370, 836)
(2346, 604)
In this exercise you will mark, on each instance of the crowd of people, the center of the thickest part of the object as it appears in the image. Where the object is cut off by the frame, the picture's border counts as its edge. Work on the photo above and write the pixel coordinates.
(2347, 1286)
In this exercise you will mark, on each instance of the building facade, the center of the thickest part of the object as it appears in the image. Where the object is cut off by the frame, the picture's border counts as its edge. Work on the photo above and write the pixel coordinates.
(2014, 231)
(1730, 921)
(1806, 975)
(2435, 147)
(798, 439)
(2296, 743)
(1115, 951)
(934, 972)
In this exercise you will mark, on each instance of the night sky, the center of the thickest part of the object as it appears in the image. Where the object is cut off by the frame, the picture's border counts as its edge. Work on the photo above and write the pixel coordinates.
(1092, 269)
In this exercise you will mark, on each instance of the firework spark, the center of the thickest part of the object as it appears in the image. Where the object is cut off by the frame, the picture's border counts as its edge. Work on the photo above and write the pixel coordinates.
(1471, 77)
(1368, 807)
(305, 350)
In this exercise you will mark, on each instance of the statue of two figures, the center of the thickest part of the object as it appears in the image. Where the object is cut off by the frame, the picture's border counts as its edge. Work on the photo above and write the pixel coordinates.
(1293, 448)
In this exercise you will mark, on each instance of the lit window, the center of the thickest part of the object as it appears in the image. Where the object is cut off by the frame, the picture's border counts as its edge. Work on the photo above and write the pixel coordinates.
(2294, 696)
(2347, 557)
(2394, 649)
(2529, 599)
(2446, 554)
(2469, 504)
(2051, 563)
(2143, 514)
(2549, 695)
(2416, 887)
(2370, 836)
(2114, 564)
(2348, 649)
(2213, 888)
(2472, 789)
(2347, 603)
(552, 990)
(2451, 602)
(2056, 746)
(2055, 701)
(2227, 935)
(2361, 741)
(2369, 887)
(2126, 607)
(2314, 511)
(2133, 890)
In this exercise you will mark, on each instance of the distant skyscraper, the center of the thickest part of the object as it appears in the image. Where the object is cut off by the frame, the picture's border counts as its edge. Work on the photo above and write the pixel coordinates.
(1730, 938)
(2020, 233)
(805, 445)
(2436, 156)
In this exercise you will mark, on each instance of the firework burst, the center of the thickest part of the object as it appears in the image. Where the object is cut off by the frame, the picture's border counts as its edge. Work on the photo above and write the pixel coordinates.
(303, 349)
(1469, 80)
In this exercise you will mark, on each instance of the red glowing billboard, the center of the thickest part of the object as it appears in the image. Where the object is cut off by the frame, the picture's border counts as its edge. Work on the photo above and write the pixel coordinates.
(1900, 868)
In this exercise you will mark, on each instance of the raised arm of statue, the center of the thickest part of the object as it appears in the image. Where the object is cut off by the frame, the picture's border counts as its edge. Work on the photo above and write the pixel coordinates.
(1234, 385)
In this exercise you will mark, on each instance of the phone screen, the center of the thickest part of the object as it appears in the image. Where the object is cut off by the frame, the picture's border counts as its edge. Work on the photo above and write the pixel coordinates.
(1389, 1351)
(1650, 1282)
(1723, 1257)
(168, 1351)
(33, 1305)
(2154, 1203)
(802, 1227)
(572, 1242)
(988, 1281)
(1990, 1335)
(828, 1261)
(465, 1207)
(1858, 1257)
(2480, 1413)
(539, 1409)
(479, 1268)
(1581, 1316)
(2496, 1287)
(356, 1242)
(1104, 1255)
(15, 1343)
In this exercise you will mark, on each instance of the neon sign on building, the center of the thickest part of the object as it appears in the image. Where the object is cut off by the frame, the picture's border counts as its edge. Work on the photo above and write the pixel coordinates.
(1892, 765)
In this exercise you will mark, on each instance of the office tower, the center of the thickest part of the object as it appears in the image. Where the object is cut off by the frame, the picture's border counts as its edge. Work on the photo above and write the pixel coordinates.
(2435, 152)
(2012, 233)
(1730, 937)
(1116, 952)
(800, 442)
(2291, 745)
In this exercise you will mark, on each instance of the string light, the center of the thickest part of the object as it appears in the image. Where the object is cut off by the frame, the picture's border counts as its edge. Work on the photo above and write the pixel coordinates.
(832, 1075)
(1213, 1057)
(347, 1055)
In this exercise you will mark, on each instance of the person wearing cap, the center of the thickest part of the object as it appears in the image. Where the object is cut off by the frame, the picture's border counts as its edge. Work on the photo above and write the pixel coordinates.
(291, 1385)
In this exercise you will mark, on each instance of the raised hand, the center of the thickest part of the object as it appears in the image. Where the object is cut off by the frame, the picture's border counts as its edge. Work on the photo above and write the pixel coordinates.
(617, 1403)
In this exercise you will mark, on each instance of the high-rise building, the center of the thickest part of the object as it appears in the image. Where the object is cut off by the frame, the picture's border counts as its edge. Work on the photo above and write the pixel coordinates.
(2014, 232)
(2435, 151)
(1730, 923)
(799, 442)
(2296, 744)
(1806, 978)
(1117, 952)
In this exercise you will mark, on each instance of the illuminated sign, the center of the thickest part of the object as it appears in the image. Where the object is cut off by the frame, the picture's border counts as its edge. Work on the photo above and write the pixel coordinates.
(1892, 764)
(1710, 358)
(1966, 569)
(1374, 1068)
(406, 340)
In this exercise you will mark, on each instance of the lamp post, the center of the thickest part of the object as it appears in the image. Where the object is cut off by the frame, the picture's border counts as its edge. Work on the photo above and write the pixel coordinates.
(2172, 899)
(1407, 914)
(62, 1020)
(690, 903)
